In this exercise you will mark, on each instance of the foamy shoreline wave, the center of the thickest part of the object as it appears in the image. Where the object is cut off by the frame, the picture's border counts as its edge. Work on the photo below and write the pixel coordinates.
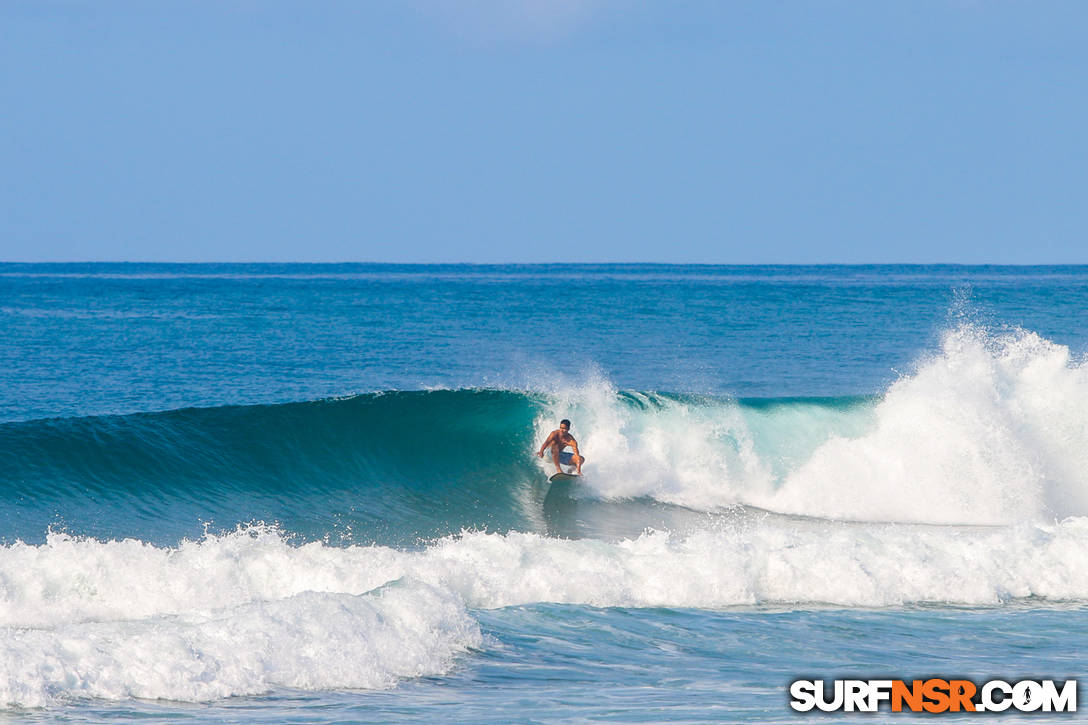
(248, 612)
(749, 559)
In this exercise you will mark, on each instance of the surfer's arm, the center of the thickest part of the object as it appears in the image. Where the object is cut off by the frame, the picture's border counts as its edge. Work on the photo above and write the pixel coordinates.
(547, 442)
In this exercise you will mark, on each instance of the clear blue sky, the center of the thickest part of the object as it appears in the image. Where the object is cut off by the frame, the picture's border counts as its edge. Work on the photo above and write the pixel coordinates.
(528, 130)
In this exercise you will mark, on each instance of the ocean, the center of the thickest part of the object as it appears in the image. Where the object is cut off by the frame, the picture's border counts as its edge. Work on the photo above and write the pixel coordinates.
(309, 493)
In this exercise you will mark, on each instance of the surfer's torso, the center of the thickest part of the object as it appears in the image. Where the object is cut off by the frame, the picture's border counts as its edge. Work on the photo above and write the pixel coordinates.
(561, 439)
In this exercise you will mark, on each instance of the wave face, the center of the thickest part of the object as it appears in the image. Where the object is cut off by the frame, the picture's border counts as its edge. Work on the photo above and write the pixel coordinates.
(989, 430)
(393, 466)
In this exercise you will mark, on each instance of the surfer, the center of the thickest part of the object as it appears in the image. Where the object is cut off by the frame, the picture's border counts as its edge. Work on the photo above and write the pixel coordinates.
(558, 440)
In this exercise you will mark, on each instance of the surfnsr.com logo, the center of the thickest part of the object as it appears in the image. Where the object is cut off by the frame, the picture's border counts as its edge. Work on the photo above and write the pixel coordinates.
(934, 695)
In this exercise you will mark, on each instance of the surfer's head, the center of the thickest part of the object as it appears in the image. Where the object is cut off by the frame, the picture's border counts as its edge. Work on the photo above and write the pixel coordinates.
(564, 425)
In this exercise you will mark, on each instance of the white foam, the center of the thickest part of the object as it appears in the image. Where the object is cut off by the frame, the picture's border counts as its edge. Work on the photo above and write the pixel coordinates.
(743, 559)
(765, 560)
(247, 612)
(990, 429)
(690, 453)
(309, 640)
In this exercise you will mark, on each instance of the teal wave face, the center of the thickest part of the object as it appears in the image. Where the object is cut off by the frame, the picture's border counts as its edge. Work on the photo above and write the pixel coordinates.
(946, 446)
(389, 467)
(392, 468)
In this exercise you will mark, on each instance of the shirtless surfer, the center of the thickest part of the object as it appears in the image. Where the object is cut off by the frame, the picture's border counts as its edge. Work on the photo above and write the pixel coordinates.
(557, 441)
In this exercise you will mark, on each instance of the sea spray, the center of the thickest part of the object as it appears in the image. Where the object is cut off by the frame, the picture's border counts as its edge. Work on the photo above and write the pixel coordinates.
(990, 429)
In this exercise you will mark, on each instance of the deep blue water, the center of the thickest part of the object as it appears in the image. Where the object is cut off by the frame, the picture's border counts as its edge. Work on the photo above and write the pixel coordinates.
(308, 492)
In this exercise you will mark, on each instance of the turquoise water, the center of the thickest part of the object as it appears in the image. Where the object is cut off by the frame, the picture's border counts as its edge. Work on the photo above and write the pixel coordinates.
(308, 492)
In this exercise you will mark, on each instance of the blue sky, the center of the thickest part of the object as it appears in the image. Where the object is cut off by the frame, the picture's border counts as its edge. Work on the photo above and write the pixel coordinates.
(530, 131)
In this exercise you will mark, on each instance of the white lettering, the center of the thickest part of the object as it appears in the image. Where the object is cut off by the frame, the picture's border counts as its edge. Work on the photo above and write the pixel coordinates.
(835, 703)
(989, 704)
(1064, 701)
(803, 693)
(993, 696)
(879, 691)
(1027, 696)
(856, 695)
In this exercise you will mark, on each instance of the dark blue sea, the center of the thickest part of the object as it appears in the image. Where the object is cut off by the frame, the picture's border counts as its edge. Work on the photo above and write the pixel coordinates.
(309, 493)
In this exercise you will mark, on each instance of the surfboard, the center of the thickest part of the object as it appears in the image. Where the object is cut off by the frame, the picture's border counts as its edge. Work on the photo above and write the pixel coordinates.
(563, 477)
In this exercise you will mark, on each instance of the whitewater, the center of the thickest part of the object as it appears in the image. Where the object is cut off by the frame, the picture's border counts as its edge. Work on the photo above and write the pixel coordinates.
(373, 545)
